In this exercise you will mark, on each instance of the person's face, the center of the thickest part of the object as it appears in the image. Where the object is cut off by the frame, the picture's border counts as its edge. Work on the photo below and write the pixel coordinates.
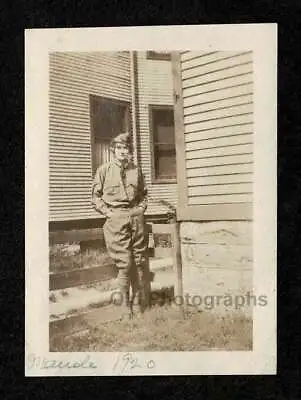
(121, 151)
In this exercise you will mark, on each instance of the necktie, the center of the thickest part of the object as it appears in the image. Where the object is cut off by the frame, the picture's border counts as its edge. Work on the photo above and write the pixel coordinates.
(123, 172)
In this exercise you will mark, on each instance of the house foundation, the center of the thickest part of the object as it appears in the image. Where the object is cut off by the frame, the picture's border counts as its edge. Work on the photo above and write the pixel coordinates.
(217, 260)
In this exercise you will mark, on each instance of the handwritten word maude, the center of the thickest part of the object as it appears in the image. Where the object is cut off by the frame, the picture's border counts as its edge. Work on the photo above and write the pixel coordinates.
(44, 363)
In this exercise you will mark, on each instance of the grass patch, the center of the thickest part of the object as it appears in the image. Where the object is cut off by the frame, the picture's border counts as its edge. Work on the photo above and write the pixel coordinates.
(161, 329)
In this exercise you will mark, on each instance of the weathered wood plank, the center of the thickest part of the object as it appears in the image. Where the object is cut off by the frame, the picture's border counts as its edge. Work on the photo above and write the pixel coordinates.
(179, 130)
(220, 65)
(214, 161)
(220, 179)
(195, 88)
(220, 151)
(177, 261)
(220, 170)
(221, 131)
(246, 138)
(236, 110)
(195, 107)
(219, 97)
(192, 58)
(161, 229)
(218, 199)
(81, 235)
(81, 276)
(223, 189)
(221, 122)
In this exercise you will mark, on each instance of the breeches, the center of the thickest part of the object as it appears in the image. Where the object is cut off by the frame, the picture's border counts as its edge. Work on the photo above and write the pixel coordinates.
(126, 242)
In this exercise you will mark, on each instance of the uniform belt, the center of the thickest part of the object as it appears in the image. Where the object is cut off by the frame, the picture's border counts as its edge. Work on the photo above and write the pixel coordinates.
(125, 206)
(122, 208)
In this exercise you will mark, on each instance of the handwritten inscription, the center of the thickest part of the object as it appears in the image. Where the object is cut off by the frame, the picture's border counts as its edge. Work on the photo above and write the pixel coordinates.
(44, 363)
(129, 361)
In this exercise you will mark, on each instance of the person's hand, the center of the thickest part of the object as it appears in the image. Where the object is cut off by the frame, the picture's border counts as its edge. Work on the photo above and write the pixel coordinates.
(109, 213)
(136, 211)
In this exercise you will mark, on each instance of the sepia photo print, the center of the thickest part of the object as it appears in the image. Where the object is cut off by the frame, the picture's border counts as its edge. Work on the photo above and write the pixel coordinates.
(153, 169)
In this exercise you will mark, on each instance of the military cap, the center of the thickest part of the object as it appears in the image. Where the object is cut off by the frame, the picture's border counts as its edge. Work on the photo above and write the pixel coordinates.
(124, 138)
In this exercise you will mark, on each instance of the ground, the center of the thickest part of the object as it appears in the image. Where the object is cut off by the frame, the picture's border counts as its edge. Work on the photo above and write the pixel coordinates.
(80, 321)
(159, 329)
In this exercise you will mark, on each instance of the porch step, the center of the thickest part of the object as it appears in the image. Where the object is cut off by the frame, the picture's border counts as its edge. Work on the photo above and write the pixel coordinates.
(84, 276)
(75, 300)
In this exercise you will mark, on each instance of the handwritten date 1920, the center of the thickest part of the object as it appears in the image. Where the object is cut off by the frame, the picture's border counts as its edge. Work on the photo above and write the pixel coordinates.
(128, 361)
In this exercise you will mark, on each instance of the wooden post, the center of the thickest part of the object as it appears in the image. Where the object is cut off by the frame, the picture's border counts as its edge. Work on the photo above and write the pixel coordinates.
(134, 102)
(177, 261)
(179, 135)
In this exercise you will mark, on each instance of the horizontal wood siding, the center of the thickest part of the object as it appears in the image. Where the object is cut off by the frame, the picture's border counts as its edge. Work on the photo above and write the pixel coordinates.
(216, 115)
(73, 78)
(155, 87)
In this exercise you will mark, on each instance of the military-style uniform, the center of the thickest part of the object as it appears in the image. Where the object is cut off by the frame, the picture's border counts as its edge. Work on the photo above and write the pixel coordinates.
(119, 193)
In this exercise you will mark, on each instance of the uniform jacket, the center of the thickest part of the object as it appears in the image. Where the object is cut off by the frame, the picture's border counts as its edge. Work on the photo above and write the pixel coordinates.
(117, 187)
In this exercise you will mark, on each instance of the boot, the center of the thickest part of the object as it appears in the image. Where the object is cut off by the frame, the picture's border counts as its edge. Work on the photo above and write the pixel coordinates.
(143, 288)
(140, 295)
(141, 291)
(134, 297)
(126, 305)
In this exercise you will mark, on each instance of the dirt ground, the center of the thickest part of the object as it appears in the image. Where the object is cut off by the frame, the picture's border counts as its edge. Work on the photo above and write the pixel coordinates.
(160, 329)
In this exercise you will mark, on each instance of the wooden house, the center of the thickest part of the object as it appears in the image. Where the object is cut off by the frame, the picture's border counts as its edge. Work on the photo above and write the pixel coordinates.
(191, 118)
(92, 97)
(214, 144)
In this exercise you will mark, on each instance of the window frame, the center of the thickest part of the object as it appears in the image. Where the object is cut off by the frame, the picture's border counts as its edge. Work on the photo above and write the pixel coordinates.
(156, 55)
(93, 136)
(154, 179)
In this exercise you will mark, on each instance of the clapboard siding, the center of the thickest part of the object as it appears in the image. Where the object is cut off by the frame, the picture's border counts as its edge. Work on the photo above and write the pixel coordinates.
(73, 77)
(218, 170)
(220, 131)
(196, 58)
(219, 142)
(220, 200)
(216, 115)
(224, 160)
(219, 97)
(219, 151)
(221, 122)
(218, 180)
(218, 104)
(208, 190)
(229, 64)
(155, 87)
(230, 82)
(224, 112)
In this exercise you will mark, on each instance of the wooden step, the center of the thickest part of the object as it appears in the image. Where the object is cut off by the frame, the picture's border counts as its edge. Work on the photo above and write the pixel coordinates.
(86, 276)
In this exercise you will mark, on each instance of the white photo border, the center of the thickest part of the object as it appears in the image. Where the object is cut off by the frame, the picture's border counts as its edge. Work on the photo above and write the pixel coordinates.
(262, 40)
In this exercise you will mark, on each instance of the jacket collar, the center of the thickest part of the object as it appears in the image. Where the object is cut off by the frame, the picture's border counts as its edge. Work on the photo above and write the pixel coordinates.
(120, 164)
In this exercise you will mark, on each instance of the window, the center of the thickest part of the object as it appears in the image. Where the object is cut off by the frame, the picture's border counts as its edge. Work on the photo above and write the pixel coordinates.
(108, 118)
(163, 143)
(158, 55)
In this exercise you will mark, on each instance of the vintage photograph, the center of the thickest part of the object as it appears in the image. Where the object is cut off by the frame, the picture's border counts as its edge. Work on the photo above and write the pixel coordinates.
(150, 201)
(151, 198)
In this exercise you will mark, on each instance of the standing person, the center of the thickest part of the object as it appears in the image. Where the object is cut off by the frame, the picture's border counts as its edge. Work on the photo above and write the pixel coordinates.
(120, 194)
